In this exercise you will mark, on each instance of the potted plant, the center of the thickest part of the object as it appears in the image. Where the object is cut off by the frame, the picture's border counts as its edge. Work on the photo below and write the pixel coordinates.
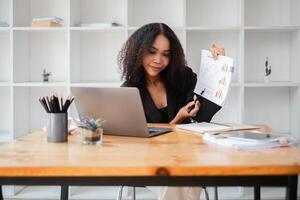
(91, 130)
(267, 71)
(46, 75)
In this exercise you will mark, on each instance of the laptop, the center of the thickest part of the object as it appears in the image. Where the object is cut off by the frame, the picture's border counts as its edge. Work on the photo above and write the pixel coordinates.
(121, 108)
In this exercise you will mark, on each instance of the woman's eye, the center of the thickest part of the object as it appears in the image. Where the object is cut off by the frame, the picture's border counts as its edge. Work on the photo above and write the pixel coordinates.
(166, 55)
(151, 51)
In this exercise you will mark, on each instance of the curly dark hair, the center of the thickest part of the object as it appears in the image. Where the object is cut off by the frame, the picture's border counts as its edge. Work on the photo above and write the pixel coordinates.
(130, 57)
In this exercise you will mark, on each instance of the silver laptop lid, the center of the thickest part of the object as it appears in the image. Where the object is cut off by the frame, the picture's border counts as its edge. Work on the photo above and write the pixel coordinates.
(121, 108)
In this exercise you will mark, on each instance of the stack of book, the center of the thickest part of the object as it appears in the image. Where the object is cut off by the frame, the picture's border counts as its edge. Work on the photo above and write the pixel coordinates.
(47, 22)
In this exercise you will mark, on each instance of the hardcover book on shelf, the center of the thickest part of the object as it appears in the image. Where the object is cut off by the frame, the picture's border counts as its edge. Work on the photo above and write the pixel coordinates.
(45, 24)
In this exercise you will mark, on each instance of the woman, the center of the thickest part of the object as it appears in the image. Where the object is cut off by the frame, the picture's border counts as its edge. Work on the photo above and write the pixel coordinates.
(153, 60)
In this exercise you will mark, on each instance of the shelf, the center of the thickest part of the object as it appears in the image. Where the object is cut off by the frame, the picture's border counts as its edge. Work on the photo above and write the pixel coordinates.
(5, 84)
(40, 29)
(141, 12)
(36, 192)
(24, 11)
(94, 56)
(235, 84)
(98, 29)
(41, 84)
(272, 28)
(272, 84)
(36, 51)
(5, 69)
(280, 48)
(6, 113)
(109, 192)
(277, 13)
(213, 13)
(271, 107)
(5, 8)
(97, 84)
(4, 30)
(213, 29)
(94, 11)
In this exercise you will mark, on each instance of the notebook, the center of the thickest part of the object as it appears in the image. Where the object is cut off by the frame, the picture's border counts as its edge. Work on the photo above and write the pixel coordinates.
(205, 127)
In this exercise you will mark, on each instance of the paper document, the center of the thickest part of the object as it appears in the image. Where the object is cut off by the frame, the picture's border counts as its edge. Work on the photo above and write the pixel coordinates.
(249, 140)
(214, 77)
(205, 127)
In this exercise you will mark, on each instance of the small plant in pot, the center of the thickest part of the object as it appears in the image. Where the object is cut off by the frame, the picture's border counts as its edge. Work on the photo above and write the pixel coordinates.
(46, 75)
(268, 71)
(91, 130)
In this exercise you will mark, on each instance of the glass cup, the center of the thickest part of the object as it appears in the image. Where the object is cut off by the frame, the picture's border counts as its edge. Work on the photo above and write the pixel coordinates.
(91, 137)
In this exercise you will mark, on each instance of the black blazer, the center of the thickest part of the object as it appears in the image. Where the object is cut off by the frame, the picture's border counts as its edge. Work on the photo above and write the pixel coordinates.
(176, 101)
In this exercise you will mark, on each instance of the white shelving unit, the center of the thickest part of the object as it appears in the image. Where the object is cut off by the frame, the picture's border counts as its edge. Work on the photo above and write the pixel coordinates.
(250, 31)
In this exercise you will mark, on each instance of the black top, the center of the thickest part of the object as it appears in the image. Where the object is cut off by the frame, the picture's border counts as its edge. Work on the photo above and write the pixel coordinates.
(164, 112)
(175, 101)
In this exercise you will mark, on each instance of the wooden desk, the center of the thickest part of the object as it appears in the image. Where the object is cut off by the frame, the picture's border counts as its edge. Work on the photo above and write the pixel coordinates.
(178, 158)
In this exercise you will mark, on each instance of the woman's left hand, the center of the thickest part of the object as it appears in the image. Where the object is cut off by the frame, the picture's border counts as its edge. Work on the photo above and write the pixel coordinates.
(215, 51)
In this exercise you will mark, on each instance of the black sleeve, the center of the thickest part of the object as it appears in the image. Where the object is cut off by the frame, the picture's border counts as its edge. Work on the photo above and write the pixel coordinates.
(207, 109)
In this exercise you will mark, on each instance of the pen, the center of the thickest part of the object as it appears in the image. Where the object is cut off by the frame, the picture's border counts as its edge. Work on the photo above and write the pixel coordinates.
(55, 103)
(49, 103)
(61, 104)
(196, 97)
(43, 104)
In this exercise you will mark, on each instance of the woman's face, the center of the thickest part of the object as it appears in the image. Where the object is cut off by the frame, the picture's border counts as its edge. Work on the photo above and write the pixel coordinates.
(158, 56)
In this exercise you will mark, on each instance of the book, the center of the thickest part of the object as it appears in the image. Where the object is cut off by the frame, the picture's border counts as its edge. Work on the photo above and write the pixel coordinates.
(45, 24)
(243, 140)
(205, 127)
(100, 25)
(48, 19)
(214, 77)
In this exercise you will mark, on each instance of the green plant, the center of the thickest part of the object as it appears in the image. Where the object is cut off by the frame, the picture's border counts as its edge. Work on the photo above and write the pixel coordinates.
(46, 75)
(267, 68)
(90, 123)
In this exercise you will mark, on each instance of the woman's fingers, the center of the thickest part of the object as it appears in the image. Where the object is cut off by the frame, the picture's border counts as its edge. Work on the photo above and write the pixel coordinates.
(215, 51)
(221, 51)
(191, 103)
(195, 110)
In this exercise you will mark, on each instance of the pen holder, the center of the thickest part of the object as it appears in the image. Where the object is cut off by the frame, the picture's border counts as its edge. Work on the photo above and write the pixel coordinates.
(57, 127)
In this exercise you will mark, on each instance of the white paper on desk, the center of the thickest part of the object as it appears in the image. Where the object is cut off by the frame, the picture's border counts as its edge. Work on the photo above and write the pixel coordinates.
(214, 77)
(211, 127)
(222, 140)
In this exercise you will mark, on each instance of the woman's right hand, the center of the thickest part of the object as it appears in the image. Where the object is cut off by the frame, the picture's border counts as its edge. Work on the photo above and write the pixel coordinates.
(185, 112)
(216, 51)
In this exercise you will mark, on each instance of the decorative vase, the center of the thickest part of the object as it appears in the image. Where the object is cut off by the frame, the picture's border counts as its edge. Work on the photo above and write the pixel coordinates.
(91, 137)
